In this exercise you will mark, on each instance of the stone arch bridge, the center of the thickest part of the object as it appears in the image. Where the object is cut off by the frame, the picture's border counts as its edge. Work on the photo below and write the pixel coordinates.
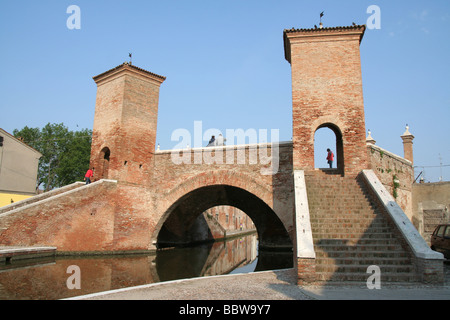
(337, 222)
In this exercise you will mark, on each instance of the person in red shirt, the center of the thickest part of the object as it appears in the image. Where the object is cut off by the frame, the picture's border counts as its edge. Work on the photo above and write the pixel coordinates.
(89, 175)
(330, 158)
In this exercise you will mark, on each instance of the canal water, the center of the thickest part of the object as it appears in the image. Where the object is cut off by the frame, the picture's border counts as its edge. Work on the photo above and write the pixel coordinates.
(54, 278)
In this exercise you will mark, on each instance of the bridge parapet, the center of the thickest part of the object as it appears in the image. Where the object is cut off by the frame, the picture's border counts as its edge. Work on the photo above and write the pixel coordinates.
(265, 155)
(428, 263)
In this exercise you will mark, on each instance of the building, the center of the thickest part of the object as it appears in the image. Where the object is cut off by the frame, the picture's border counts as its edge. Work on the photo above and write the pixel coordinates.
(18, 169)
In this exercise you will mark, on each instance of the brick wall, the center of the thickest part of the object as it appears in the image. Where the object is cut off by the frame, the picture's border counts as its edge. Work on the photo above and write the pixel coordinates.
(431, 206)
(395, 173)
(231, 218)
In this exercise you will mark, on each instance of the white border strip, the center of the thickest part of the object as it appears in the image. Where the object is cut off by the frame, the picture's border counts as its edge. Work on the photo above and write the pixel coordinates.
(304, 238)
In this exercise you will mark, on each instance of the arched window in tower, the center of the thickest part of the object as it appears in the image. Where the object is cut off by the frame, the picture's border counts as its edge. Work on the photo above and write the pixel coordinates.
(328, 148)
(104, 163)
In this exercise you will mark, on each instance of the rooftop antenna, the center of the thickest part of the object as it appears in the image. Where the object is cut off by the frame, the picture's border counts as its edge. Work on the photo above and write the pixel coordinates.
(321, 24)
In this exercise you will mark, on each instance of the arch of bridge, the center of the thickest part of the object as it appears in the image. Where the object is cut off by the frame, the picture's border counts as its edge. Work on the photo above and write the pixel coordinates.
(252, 194)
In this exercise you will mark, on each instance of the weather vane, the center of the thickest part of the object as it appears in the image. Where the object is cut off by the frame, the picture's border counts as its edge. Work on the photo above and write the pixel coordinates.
(321, 15)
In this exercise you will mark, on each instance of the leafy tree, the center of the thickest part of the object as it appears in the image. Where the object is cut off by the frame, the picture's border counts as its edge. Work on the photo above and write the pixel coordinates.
(74, 163)
(65, 154)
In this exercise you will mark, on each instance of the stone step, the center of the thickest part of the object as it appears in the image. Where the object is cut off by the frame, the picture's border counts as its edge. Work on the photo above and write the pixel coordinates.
(362, 254)
(335, 234)
(338, 205)
(336, 200)
(329, 229)
(324, 187)
(366, 261)
(341, 212)
(363, 220)
(359, 248)
(362, 269)
(315, 193)
(358, 244)
(334, 195)
(354, 227)
(361, 277)
(359, 224)
(351, 224)
(341, 208)
(331, 182)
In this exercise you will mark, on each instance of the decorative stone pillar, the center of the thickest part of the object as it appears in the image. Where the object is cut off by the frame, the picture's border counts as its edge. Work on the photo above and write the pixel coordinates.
(408, 138)
(369, 138)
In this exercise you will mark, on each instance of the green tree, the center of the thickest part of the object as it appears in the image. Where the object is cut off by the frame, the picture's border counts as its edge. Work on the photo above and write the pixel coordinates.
(74, 163)
(65, 154)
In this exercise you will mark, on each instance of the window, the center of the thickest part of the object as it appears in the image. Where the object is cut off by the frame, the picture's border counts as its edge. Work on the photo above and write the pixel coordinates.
(104, 163)
(447, 232)
(440, 232)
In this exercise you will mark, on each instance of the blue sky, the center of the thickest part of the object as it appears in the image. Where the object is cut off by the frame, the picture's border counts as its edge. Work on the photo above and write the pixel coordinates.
(224, 63)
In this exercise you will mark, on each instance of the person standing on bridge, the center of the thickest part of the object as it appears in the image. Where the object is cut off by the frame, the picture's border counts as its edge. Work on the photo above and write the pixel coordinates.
(89, 174)
(330, 158)
(212, 142)
(220, 140)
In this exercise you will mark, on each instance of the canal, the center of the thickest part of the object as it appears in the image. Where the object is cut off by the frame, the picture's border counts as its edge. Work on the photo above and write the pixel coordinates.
(47, 279)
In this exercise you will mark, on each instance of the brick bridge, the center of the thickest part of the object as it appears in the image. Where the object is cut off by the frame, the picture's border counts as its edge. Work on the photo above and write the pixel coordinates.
(338, 222)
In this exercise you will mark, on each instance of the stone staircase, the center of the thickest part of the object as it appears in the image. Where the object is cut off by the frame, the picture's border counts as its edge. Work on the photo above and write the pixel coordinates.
(350, 233)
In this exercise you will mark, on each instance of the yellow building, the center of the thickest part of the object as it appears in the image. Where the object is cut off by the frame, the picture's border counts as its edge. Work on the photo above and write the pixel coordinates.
(18, 169)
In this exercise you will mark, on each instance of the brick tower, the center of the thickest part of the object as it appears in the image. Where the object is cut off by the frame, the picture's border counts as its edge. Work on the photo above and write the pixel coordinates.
(124, 133)
(327, 92)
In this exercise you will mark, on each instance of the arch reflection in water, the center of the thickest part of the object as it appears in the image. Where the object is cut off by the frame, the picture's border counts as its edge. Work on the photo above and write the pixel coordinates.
(239, 255)
(46, 279)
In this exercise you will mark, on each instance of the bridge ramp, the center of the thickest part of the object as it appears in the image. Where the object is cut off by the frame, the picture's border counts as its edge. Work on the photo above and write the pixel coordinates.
(75, 218)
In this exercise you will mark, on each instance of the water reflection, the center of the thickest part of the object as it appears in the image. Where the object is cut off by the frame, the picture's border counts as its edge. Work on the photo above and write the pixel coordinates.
(46, 279)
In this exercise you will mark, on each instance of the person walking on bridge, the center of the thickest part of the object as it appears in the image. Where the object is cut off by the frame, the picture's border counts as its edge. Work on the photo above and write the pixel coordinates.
(89, 175)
